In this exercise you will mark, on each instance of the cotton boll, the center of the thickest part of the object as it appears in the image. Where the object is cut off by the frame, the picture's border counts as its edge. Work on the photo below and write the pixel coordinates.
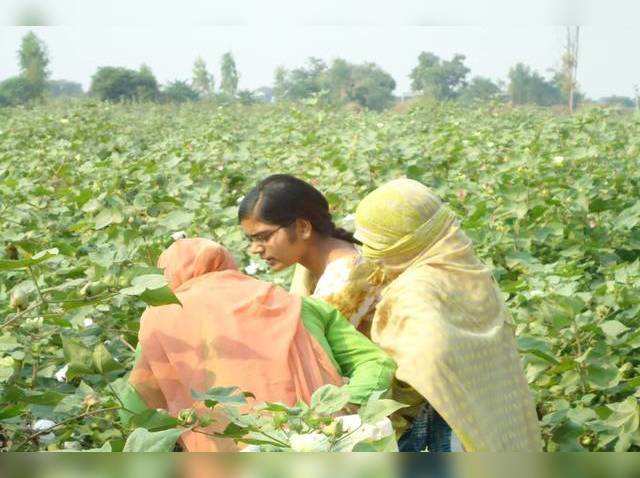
(43, 425)
(309, 442)
(178, 235)
(252, 268)
(61, 375)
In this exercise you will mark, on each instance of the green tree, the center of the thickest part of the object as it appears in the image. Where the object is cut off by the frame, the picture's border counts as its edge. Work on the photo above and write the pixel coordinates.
(202, 81)
(437, 78)
(372, 87)
(16, 91)
(615, 100)
(118, 84)
(300, 83)
(280, 83)
(263, 94)
(179, 92)
(229, 75)
(56, 88)
(247, 97)
(529, 87)
(34, 61)
(340, 80)
(480, 89)
(147, 88)
(366, 84)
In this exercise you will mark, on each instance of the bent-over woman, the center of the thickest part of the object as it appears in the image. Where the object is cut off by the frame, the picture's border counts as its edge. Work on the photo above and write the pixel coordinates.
(443, 319)
(234, 330)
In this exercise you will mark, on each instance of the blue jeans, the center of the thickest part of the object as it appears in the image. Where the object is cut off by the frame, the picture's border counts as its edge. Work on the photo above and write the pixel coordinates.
(428, 432)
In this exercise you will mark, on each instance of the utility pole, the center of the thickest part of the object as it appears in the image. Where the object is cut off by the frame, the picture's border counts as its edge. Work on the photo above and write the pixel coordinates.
(570, 63)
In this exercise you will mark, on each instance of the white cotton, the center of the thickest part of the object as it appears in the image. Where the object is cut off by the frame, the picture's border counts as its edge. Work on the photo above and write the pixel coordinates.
(309, 442)
(178, 235)
(61, 375)
(43, 425)
(377, 431)
(87, 322)
(252, 268)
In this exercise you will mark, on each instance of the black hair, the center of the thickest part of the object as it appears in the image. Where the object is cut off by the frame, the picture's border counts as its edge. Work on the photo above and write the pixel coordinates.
(281, 199)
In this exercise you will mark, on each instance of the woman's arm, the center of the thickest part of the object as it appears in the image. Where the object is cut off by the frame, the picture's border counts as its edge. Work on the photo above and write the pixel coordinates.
(364, 363)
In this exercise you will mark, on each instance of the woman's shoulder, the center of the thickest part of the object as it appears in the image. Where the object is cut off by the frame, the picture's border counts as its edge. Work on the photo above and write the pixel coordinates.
(346, 287)
(336, 275)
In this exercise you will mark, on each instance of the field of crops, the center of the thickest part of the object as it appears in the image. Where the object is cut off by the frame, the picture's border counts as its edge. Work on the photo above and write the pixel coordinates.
(90, 194)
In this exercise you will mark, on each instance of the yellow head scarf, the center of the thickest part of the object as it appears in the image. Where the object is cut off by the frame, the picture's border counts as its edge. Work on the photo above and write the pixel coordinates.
(399, 220)
(443, 319)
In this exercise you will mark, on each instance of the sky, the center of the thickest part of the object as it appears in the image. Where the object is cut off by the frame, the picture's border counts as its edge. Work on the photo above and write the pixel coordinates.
(494, 35)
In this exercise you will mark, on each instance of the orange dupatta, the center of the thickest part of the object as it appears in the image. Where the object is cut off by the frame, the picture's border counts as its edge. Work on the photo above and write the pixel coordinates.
(232, 330)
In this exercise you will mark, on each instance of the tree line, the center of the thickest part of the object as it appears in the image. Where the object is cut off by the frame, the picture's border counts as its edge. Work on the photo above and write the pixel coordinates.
(339, 82)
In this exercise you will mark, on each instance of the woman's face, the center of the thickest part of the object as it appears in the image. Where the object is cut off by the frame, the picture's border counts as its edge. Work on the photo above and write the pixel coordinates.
(279, 246)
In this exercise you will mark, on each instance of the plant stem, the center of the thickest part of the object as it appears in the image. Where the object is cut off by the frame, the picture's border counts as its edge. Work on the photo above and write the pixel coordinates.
(35, 281)
(122, 339)
(20, 314)
(64, 422)
(344, 437)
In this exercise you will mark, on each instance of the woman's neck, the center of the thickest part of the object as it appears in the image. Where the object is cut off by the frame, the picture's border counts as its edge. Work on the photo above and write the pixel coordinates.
(323, 251)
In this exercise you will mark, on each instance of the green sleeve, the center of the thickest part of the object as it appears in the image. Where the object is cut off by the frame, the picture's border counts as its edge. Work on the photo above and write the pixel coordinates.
(364, 363)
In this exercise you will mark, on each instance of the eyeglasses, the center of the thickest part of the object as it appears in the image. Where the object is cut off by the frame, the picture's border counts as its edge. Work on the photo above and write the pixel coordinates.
(262, 237)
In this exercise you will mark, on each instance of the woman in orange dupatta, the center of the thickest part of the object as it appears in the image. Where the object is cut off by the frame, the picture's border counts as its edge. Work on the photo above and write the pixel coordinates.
(233, 330)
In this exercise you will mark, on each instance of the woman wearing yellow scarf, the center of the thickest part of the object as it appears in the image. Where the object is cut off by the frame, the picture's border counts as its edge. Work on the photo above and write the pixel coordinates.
(443, 319)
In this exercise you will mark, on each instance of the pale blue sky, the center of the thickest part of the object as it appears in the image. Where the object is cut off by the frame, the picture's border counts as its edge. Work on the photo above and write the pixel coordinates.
(494, 34)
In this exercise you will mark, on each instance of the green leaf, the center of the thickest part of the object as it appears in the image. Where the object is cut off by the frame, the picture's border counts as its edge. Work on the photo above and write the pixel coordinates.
(538, 347)
(152, 289)
(73, 404)
(149, 281)
(376, 408)
(235, 431)
(157, 297)
(177, 220)
(7, 367)
(78, 356)
(48, 398)
(34, 260)
(105, 448)
(386, 444)
(11, 411)
(520, 259)
(154, 420)
(103, 361)
(329, 399)
(625, 417)
(581, 415)
(602, 377)
(142, 440)
(224, 395)
(628, 218)
(278, 407)
(8, 343)
(106, 217)
(613, 328)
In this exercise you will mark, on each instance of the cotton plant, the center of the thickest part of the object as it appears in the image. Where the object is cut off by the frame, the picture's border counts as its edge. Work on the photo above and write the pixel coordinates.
(276, 427)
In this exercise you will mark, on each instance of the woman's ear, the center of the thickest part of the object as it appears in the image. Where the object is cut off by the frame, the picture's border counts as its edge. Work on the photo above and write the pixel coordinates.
(303, 229)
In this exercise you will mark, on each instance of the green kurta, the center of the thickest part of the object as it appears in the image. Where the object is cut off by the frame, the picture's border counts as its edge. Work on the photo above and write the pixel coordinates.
(355, 356)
